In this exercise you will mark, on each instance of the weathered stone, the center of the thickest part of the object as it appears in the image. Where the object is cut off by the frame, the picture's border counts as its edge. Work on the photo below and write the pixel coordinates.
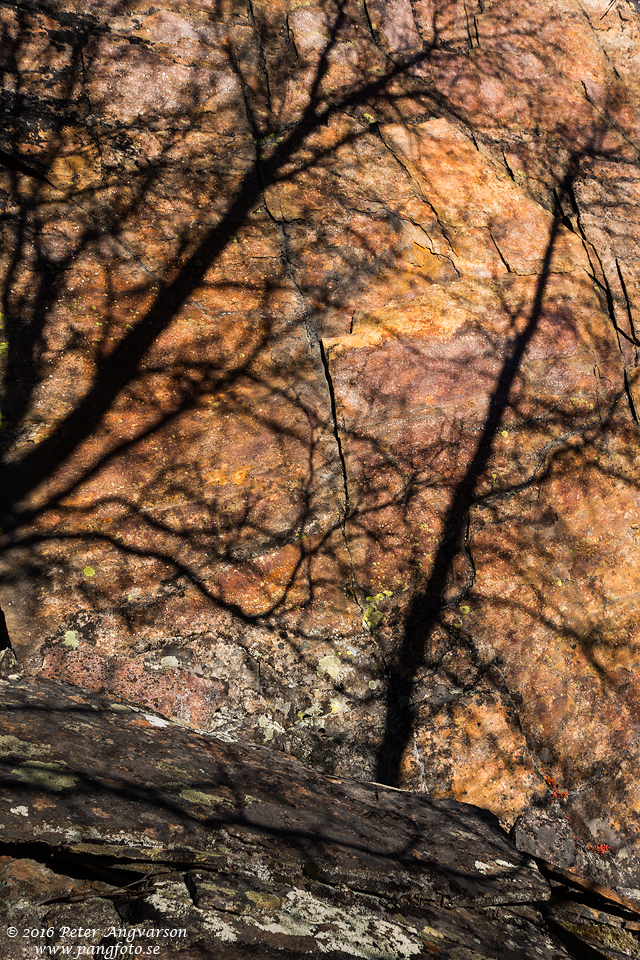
(233, 847)
(320, 383)
(595, 932)
(588, 853)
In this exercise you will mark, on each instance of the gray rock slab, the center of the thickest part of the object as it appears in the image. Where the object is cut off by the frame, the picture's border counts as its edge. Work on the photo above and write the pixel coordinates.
(108, 811)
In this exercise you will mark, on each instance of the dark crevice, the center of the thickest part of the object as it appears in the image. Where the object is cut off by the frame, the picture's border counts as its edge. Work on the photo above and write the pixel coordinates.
(559, 212)
(416, 19)
(504, 262)
(573, 200)
(336, 431)
(192, 889)
(573, 944)
(629, 395)
(632, 327)
(469, 37)
(343, 466)
(605, 287)
(312, 333)
(421, 192)
(471, 564)
(91, 868)
(606, 291)
(314, 340)
(5, 639)
(509, 170)
(372, 31)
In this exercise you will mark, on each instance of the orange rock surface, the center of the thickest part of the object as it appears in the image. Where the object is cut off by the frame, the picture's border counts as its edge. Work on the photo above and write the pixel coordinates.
(319, 370)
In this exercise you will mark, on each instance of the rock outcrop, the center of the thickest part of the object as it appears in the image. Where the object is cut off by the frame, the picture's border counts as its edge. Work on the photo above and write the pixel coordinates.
(320, 388)
(120, 827)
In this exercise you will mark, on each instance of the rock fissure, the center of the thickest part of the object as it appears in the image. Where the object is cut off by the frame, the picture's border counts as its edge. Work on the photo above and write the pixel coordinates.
(500, 254)
(419, 187)
(343, 466)
(316, 344)
(372, 29)
(608, 121)
(605, 287)
(633, 336)
(629, 395)
(469, 29)
(336, 431)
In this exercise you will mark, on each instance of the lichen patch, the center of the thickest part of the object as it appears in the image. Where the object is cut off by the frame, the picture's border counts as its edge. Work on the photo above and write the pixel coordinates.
(46, 776)
(359, 933)
(22, 748)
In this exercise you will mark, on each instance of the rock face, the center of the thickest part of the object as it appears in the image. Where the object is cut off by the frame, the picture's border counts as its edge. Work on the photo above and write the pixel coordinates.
(320, 402)
(121, 827)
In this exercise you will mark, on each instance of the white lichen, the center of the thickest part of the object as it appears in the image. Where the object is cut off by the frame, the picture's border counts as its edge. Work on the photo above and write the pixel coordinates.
(220, 929)
(169, 662)
(331, 666)
(155, 721)
(356, 931)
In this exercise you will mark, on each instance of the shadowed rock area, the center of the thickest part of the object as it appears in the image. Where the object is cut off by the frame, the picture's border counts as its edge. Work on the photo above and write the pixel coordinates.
(319, 397)
(115, 819)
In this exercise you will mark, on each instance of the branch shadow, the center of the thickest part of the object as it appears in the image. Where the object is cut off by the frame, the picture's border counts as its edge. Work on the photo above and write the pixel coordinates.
(177, 447)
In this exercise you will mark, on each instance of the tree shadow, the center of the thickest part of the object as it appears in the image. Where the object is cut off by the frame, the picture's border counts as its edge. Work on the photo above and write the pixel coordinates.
(425, 609)
(187, 264)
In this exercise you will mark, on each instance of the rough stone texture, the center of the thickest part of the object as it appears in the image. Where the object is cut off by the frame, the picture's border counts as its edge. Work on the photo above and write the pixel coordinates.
(115, 819)
(320, 385)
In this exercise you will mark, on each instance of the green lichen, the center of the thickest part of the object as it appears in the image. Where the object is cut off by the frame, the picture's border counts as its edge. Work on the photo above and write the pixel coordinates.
(204, 799)
(329, 665)
(45, 776)
(600, 934)
(265, 901)
(267, 725)
(372, 616)
(22, 748)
